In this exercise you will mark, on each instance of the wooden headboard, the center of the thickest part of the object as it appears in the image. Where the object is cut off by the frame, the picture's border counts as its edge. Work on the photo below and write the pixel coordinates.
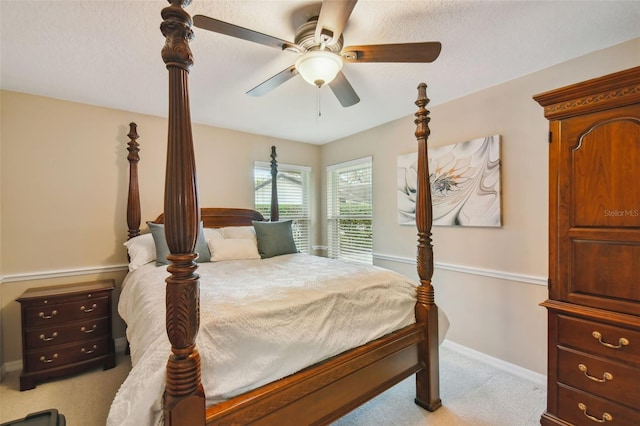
(220, 217)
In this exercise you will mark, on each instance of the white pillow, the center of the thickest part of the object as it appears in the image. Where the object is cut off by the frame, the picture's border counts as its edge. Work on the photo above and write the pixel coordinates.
(247, 232)
(213, 234)
(233, 249)
(141, 249)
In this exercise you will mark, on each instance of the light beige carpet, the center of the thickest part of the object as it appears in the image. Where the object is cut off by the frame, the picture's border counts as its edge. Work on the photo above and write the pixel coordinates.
(84, 399)
(473, 394)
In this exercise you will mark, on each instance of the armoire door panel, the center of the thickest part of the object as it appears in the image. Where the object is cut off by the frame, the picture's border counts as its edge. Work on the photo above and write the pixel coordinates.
(617, 278)
(598, 211)
(604, 175)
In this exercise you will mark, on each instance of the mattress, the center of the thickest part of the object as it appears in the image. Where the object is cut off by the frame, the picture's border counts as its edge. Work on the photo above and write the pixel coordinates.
(260, 320)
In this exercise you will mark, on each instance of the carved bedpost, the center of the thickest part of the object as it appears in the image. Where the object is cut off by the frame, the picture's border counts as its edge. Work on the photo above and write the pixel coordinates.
(427, 379)
(184, 401)
(133, 202)
(275, 209)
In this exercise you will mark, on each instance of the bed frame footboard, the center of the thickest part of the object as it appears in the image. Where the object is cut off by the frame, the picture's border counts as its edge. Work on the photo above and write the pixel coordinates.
(323, 393)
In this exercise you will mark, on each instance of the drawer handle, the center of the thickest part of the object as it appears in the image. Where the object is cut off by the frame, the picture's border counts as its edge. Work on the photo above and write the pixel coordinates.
(47, 361)
(48, 339)
(606, 417)
(621, 342)
(89, 351)
(83, 309)
(43, 316)
(605, 376)
(91, 330)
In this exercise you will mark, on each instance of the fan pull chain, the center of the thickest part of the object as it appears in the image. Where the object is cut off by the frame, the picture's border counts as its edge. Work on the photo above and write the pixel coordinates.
(318, 102)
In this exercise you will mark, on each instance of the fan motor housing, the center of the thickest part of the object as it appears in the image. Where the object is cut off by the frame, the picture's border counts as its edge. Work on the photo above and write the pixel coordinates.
(306, 37)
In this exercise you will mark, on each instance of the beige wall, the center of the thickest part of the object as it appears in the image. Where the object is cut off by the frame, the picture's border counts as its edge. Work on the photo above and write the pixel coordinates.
(64, 190)
(64, 185)
(487, 280)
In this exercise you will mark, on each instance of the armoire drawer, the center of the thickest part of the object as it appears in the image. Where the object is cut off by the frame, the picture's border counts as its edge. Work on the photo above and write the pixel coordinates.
(582, 409)
(618, 343)
(608, 379)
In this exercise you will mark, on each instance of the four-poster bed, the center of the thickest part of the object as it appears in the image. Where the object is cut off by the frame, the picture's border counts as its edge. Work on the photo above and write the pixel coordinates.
(321, 391)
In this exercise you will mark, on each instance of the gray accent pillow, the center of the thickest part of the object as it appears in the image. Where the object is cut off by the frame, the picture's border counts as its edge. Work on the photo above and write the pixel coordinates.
(162, 249)
(274, 238)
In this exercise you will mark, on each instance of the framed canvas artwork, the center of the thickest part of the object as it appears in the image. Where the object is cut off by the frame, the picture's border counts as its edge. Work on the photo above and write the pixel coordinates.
(465, 184)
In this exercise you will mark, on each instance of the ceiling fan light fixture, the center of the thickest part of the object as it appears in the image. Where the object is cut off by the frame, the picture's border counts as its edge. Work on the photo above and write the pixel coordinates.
(319, 67)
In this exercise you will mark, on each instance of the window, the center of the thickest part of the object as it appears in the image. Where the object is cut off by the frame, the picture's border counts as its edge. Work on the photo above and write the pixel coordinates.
(293, 198)
(349, 210)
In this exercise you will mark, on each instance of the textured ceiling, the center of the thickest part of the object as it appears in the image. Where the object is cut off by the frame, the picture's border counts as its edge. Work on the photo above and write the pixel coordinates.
(107, 53)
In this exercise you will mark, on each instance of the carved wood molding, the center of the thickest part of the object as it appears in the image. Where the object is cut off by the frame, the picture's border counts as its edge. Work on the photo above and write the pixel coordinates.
(612, 90)
(591, 100)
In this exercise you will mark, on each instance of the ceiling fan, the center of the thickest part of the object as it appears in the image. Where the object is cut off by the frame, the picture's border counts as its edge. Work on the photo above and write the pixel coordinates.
(319, 42)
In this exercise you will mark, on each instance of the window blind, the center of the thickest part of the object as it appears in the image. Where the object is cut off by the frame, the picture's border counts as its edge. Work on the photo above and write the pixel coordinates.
(350, 210)
(293, 198)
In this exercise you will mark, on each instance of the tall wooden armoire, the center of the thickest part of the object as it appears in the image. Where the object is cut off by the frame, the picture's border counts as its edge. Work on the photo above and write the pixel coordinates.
(594, 251)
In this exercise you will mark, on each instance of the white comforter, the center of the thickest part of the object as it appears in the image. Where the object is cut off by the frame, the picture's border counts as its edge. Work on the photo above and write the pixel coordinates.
(260, 320)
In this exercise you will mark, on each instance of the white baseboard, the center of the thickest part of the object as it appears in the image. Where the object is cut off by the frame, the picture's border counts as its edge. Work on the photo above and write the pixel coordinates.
(120, 344)
(537, 378)
(10, 366)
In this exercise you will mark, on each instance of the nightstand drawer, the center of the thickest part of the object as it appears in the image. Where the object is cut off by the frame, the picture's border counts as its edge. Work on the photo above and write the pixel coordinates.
(61, 334)
(579, 408)
(64, 355)
(64, 312)
(600, 339)
(610, 380)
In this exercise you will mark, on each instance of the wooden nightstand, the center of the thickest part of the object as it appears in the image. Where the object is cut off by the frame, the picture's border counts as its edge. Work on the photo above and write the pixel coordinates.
(65, 329)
